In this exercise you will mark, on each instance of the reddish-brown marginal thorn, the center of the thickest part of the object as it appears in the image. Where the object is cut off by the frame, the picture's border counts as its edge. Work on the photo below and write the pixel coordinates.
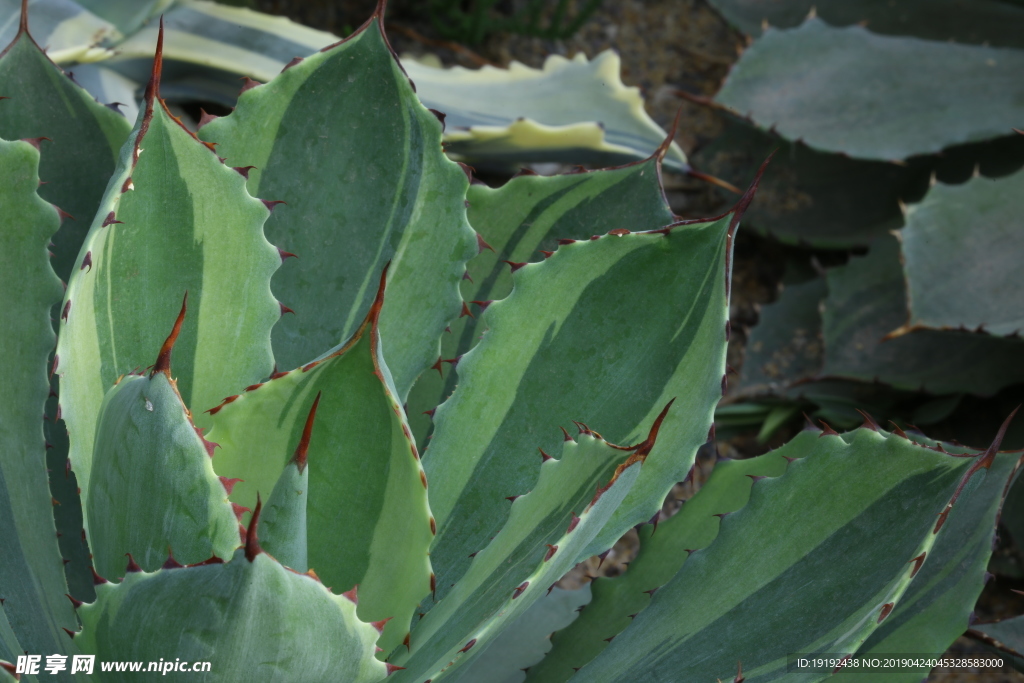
(295, 61)
(573, 523)
(433, 526)
(229, 484)
(87, 261)
(392, 668)
(285, 254)
(652, 591)
(253, 387)
(452, 361)
(163, 360)
(725, 384)
(423, 478)
(441, 116)
(466, 311)
(271, 205)
(466, 276)
(248, 84)
(252, 541)
(482, 304)
(982, 461)
(481, 244)
(110, 220)
(739, 678)
(71, 634)
(285, 309)
(205, 118)
(565, 241)
(547, 254)
(35, 141)
(603, 556)
(514, 265)
(809, 424)
(53, 369)
(67, 473)
(379, 625)
(171, 563)
(869, 422)
(353, 594)
(827, 431)
(67, 309)
(132, 567)
(609, 639)
(519, 589)
(583, 429)
(474, 554)
(618, 232)
(277, 375)
(654, 522)
(62, 215)
(756, 477)
(239, 510)
(243, 170)
(544, 457)
(886, 609)
(565, 433)
(728, 330)
(898, 431)
(711, 432)
(54, 502)
(437, 366)
(74, 603)
(511, 499)
(433, 586)
(430, 413)
(552, 549)
(406, 642)
(468, 645)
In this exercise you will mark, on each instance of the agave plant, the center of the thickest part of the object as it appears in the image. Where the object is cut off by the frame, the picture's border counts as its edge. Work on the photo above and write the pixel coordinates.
(348, 567)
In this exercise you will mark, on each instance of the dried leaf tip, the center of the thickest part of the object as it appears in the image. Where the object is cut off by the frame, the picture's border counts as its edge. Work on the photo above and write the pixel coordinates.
(302, 449)
(252, 542)
(23, 24)
(153, 87)
(163, 361)
(666, 144)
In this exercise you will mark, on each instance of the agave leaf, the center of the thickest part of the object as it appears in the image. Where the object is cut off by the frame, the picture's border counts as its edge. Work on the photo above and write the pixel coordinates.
(639, 319)
(874, 97)
(990, 22)
(1006, 637)
(174, 219)
(360, 452)
(303, 634)
(70, 32)
(570, 110)
(126, 15)
(888, 503)
(283, 525)
(786, 346)
(31, 573)
(528, 214)
(525, 641)
(960, 249)
(939, 605)
(85, 136)
(867, 300)
(153, 489)
(398, 199)
(539, 543)
(111, 88)
(663, 550)
(9, 650)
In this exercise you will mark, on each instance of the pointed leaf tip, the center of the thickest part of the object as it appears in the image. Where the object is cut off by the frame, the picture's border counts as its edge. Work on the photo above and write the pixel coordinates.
(301, 451)
(252, 542)
(153, 87)
(666, 144)
(163, 361)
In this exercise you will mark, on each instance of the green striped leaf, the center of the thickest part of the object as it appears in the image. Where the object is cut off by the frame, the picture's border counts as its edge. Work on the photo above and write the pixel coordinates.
(569, 110)
(174, 220)
(259, 621)
(960, 249)
(525, 641)
(153, 490)
(32, 581)
(771, 585)
(70, 32)
(867, 300)
(875, 97)
(539, 543)
(85, 137)
(350, 113)
(126, 15)
(663, 551)
(528, 214)
(367, 518)
(606, 330)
